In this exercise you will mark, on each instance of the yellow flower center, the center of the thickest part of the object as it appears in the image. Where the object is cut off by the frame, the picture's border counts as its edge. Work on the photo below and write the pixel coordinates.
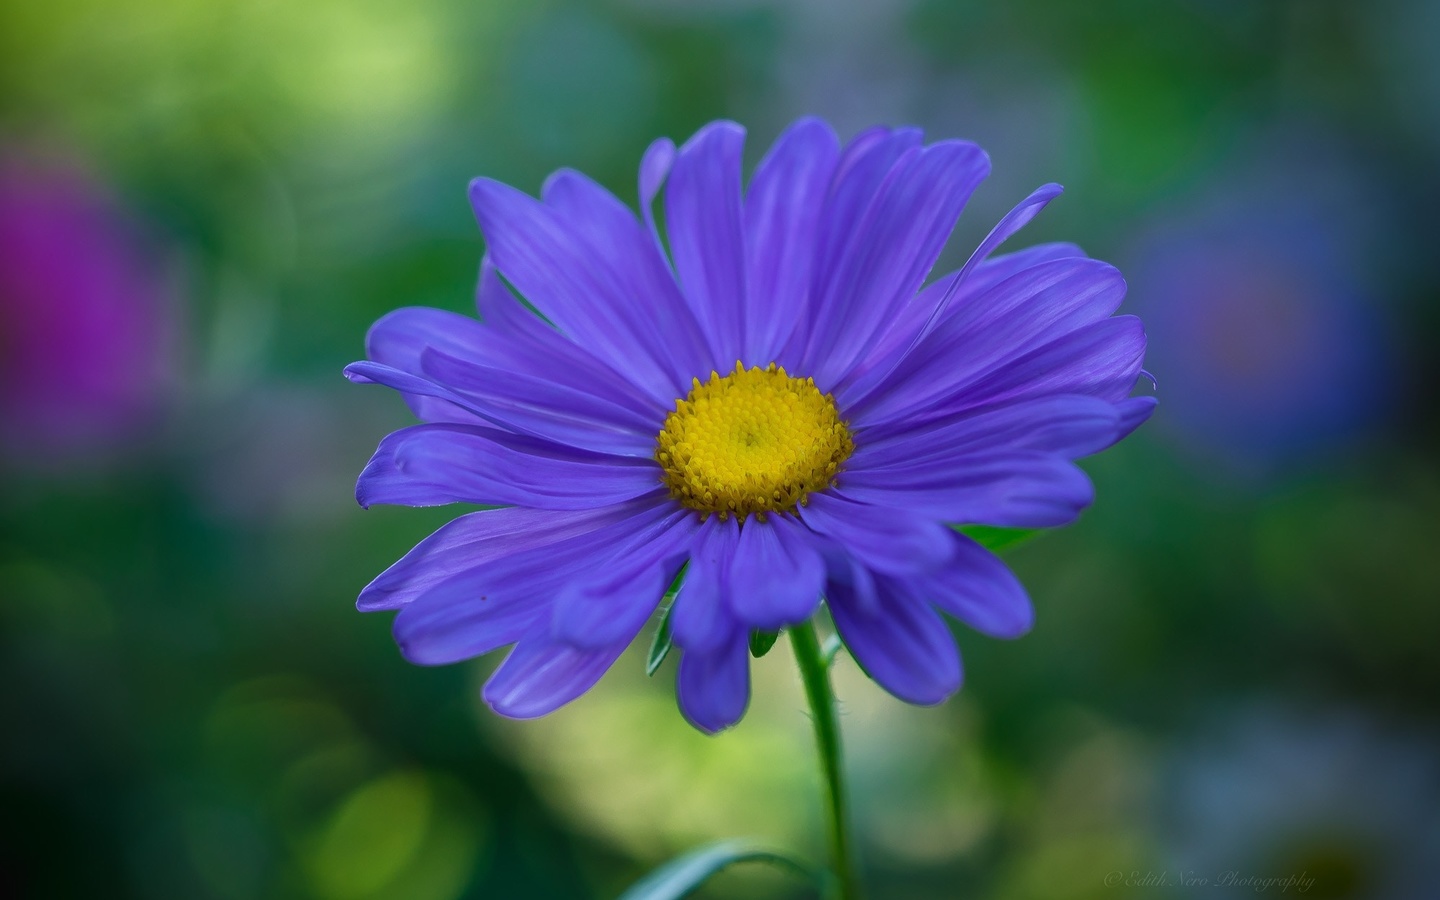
(751, 441)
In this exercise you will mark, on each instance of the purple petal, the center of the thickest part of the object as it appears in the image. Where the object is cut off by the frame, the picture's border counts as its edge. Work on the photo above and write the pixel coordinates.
(481, 539)
(776, 574)
(782, 219)
(903, 336)
(1134, 411)
(1010, 223)
(704, 216)
(452, 616)
(429, 465)
(1102, 359)
(545, 409)
(714, 687)
(899, 641)
(701, 617)
(555, 269)
(397, 339)
(654, 169)
(979, 590)
(863, 165)
(1041, 304)
(613, 600)
(609, 231)
(511, 338)
(882, 537)
(1072, 425)
(889, 251)
(541, 675)
(1019, 490)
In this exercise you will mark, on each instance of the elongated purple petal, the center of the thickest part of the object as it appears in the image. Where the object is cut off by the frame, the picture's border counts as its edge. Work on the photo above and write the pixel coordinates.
(615, 599)
(444, 622)
(701, 617)
(889, 251)
(551, 265)
(1041, 304)
(776, 574)
(609, 230)
(541, 675)
(863, 166)
(714, 687)
(782, 220)
(428, 465)
(882, 537)
(704, 216)
(1010, 223)
(978, 589)
(900, 642)
(1025, 489)
(1071, 425)
(902, 337)
(545, 409)
(654, 169)
(483, 539)
(1102, 359)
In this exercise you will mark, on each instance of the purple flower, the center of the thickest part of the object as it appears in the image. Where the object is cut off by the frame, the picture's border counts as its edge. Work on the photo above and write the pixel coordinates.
(86, 314)
(782, 403)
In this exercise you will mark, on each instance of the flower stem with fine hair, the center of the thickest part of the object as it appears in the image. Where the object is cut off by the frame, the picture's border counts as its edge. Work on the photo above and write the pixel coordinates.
(815, 673)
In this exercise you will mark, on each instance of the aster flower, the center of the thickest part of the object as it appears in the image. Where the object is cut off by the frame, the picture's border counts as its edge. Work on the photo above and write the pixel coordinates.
(770, 396)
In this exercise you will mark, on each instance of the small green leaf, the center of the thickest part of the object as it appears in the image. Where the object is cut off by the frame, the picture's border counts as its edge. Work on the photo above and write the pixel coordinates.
(830, 649)
(678, 877)
(660, 644)
(762, 641)
(996, 539)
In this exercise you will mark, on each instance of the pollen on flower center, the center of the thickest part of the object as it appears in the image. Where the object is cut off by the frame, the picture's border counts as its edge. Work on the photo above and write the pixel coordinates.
(751, 441)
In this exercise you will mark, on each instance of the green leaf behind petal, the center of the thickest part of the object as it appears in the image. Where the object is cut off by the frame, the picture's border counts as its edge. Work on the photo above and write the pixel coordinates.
(761, 642)
(660, 644)
(996, 539)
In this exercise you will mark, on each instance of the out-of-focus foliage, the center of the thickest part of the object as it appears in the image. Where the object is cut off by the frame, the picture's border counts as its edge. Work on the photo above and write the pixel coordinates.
(1232, 666)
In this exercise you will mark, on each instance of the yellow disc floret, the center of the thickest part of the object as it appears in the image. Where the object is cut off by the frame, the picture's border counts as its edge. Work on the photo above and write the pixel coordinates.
(752, 441)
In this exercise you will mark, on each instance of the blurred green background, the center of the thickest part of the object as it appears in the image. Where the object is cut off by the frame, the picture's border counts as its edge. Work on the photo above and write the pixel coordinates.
(203, 206)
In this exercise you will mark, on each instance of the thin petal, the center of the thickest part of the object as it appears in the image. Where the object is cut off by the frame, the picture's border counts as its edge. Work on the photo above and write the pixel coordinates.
(545, 409)
(882, 537)
(614, 599)
(609, 231)
(1041, 304)
(481, 539)
(429, 465)
(902, 337)
(654, 169)
(701, 617)
(454, 616)
(782, 220)
(863, 165)
(1019, 490)
(899, 641)
(1010, 223)
(1072, 425)
(541, 675)
(541, 254)
(704, 216)
(979, 590)
(776, 575)
(714, 687)
(889, 252)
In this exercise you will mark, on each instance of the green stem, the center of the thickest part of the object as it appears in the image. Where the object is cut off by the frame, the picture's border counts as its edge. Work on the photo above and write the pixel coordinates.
(814, 672)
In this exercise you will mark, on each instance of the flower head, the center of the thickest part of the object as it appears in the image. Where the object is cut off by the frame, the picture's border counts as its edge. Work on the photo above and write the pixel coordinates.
(780, 405)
